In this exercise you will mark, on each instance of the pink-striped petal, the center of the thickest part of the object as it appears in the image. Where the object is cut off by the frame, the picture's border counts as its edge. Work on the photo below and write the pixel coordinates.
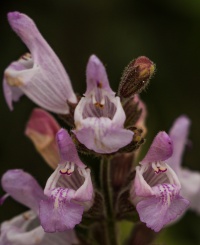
(40, 75)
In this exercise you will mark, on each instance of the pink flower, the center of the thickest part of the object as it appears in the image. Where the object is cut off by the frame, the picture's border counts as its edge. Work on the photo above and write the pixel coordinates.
(22, 187)
(69, 189)
(99, 116)
(156, 189)
(40, 74)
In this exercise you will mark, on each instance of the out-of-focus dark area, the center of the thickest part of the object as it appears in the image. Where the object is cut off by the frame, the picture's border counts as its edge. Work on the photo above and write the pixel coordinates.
(168, 32)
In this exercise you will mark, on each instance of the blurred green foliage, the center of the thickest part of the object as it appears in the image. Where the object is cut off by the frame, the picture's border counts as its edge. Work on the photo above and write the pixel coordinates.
(116, 31)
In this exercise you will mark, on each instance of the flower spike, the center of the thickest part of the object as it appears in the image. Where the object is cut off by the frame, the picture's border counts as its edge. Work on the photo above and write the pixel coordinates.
(39, 75)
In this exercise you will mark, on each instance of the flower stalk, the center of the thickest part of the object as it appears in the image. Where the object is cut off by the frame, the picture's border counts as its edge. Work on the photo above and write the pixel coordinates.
(109, 224)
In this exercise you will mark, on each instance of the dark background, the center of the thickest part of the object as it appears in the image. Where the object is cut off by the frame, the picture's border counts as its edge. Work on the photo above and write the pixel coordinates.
(168, 32)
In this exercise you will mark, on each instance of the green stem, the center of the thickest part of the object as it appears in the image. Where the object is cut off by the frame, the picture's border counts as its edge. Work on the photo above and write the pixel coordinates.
(110, 222)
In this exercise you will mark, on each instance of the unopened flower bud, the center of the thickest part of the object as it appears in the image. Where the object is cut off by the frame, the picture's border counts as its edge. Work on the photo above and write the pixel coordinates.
(136, 76)
(41, 129)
